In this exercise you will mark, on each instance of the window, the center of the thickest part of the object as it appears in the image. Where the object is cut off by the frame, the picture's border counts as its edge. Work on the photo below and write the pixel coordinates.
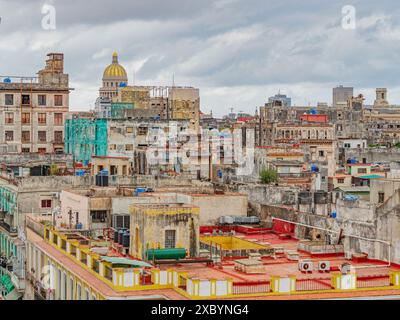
(9, 118)
(340, 180)
(26, 150)
(129, 129)
(9, 99)
(113, 170)
(58, 136)
(112, 146)
(321, 153)
(9, 136)
(347, 145)
(142, 131)
(42, 118)
(121, 221)
(41, 99)
(45, 203)
(170, 238)
(26, 118)
(129, 147)
(362, 170)
(26, 136)
(58, 100)
(71, 288)
(58, 119)
(381, 197)
(26, 99)
(42, 150)
(78, 292)
(98, 215)
(42, 136)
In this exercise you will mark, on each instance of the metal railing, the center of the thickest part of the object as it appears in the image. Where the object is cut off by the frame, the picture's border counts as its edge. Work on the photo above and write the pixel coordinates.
(313, 284)
(251, 287)
(373, 281)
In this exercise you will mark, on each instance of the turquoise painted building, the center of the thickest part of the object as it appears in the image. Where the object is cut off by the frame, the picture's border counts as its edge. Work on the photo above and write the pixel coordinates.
(85, 137)
(7, 246)
(8, 200)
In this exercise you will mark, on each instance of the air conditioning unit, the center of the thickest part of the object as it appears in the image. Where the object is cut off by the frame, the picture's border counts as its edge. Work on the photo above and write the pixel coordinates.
(324, 266)
(305, 266)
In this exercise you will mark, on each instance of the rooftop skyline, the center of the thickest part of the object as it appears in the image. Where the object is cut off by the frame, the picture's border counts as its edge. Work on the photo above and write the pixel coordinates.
(237, 53)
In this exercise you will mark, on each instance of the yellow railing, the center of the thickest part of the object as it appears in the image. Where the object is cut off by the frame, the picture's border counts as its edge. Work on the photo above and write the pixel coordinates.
(131, 279)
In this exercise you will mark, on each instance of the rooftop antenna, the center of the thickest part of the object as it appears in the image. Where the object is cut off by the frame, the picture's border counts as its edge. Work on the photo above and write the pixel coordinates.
(134, 76)
(173, 79)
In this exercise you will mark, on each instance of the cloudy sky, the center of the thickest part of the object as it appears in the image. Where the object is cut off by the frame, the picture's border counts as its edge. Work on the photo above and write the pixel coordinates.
(238, 52)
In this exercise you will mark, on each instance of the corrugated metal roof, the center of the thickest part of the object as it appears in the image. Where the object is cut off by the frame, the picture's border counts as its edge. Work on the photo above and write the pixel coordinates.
(371, 176)
(130, 262)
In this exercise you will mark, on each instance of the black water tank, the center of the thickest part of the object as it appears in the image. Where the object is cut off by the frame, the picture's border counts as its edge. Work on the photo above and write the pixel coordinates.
(304, 197)
(116, 235)
(320, 197)
(125, 239)
(120, 235)
(101, 180)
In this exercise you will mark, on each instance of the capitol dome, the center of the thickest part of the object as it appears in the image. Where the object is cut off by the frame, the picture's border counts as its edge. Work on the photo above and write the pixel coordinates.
(114, 76)
(115, 71)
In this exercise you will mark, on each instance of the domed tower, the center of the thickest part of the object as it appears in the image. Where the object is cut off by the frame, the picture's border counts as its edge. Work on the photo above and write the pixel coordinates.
(114, 76)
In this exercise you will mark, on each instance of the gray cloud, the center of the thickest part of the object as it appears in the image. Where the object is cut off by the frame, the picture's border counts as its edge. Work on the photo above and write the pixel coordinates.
(237, 52)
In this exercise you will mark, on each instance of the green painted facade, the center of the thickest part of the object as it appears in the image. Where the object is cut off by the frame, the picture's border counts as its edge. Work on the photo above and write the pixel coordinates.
(8, 200)
(7, 246)
(118, 109)
(6, 285)
(85, 138)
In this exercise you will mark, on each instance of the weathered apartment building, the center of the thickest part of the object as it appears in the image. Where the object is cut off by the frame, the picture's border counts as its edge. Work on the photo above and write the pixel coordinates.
(32, 110)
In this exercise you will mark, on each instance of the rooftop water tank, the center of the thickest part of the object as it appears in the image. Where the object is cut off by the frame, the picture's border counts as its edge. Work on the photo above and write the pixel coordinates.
(101, 180)
(80, 173)
(7, 80)
(126, 239)
(139, 190)
(165, 254)
(116, 235)
(120, 235)
(320, 197)
(304, 197)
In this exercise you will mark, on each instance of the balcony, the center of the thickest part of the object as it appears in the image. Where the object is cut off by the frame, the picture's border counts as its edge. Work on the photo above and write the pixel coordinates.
(11, 230)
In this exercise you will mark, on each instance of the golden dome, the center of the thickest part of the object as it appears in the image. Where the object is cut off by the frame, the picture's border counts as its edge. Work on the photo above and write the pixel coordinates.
(115, 71)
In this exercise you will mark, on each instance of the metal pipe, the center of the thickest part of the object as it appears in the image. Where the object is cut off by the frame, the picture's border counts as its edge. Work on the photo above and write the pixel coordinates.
(346, 235)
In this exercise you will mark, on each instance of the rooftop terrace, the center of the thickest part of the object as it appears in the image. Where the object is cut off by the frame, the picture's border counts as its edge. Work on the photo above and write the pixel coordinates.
(277, 275)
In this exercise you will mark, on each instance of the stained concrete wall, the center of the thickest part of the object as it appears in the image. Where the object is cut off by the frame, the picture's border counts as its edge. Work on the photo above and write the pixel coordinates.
(360, 210)
(260, 194)
(148, 230)
(373, 155)
(214, 206)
